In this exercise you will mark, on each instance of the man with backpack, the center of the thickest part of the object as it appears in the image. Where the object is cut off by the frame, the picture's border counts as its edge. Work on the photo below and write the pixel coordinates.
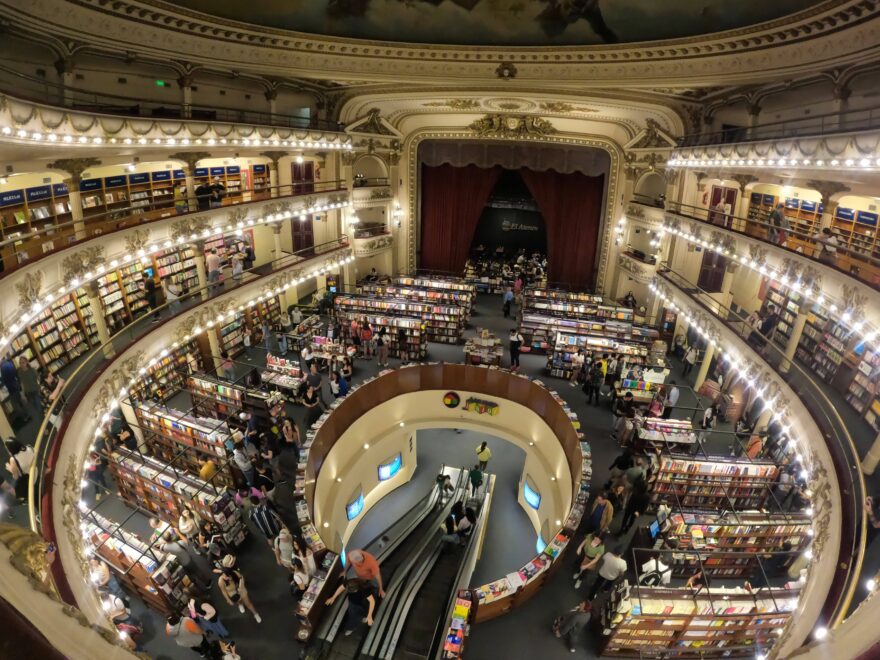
(655, 573)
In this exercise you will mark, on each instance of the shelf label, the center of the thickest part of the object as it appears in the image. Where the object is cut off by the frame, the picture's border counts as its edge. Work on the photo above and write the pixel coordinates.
(200, 171)
(233, 169)
(259, 169)
(769, 200)
(791, 203)
(867, 218)
(179, 174)
(60, 190)
(38, 193)
(90, 184)
(218, 171)
(114, 181)
(139, 177)
(845, 214)
(756, 198)
(11, 197)
(161, 175)
(808, 206)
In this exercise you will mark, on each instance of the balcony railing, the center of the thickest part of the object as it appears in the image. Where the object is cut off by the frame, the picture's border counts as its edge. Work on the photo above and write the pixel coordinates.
(40, 90)
(57, 415)
(858, 264)
(836, 436)
(825, 124)
(372, 232)
(369, 181)
(24, 249)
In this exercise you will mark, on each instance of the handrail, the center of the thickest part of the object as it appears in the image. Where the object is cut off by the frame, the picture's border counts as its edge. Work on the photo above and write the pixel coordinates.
(830, 122)
(843, 451)
(94, 225)
(95, 361)
(43, 91)
(371, 232)
(760, 231)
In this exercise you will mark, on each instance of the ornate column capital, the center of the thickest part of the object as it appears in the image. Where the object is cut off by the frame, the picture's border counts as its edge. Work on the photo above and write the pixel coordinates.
(744, 179)
(190, 158)
(827, 189)
(74, 167)
(186, 80)
(274, 156)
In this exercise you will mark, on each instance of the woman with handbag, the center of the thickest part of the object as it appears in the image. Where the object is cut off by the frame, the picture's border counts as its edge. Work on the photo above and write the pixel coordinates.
(19, 466)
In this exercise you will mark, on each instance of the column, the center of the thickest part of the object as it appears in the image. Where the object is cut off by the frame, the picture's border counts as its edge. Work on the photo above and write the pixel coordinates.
(653, 309)
(64, 67)
(97, 308)
(214, 343)
(726, 294)
(704, 366)
(276, 237)
(828, 190)
(201, 270)
(75, 168)
(872, 458)
(190, 159)
(272, 98)
(274, 179)
(185, 83)
(754, 113)
(796, 331)
(841, 98)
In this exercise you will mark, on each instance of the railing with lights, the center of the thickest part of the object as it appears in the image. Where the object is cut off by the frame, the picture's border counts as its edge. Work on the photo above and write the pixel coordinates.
(754, 162)
(309, 264)
(833, 122)
(25, 248)
(825, 415)
(40, 90)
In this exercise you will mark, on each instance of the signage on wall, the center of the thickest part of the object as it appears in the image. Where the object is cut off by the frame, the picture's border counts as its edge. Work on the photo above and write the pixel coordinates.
(481, 407)
(507, 225)
(390, 467)
(11, 197)
(41, 192)
(451, 400)
(353, 509)
(531, 495)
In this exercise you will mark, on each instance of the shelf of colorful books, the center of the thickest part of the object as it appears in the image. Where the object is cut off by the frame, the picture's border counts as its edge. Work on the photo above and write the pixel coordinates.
(787, 303)
(632, 345)
(168, 374)
(165, 490)
(444, 323)
(483, 348)
(154, 577)
(213, 397)
(178, 266)
(232, 336)
(416, 338)
(862, 389)
(710, 482)
(418, 294)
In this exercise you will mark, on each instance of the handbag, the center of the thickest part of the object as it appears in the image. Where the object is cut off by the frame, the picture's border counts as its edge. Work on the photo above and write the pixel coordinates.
(21, 482)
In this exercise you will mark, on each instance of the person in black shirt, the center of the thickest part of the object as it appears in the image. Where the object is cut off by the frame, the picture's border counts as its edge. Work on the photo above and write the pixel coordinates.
(265, 482)
(203, 196)
(218, 190)
(151, 294)
(402, 346)
(312, 403)
(362, 599)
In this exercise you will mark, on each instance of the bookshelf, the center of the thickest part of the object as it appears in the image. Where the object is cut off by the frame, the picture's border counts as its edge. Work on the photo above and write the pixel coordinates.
(787, 303)
(803, 215)
(260, 181)
(29, 209)
(443, 323)
(673, 622)
(857, 230)
(622, 339)
(231, 336)
(582, 305)
(215, 398)
(465, 292)
(229, 176)
(269, 309)
(485, 348)
(811, 337)
(862, 390)
(713, 482)
(153, 485)
(760, 207)
(424, 295)
(302, 334)
(177, 266)
(740, 536)
(168, 375)
(282, 373)
(176, 437)
(154, 577)
(833, 352)
(416, 347)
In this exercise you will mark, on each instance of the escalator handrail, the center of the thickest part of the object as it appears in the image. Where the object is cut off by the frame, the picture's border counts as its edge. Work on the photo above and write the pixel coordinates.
(385, 610)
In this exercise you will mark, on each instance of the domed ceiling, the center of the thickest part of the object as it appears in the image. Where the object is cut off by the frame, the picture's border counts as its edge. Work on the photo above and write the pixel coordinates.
(503, 22)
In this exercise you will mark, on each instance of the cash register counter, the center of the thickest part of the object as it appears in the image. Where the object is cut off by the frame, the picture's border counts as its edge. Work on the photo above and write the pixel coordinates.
(375, 426)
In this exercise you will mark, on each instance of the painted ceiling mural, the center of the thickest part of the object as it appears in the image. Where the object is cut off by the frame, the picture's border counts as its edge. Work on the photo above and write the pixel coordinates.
(503, 22)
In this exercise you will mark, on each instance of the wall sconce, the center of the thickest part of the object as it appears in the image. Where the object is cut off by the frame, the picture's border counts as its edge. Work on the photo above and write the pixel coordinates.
(398, 214)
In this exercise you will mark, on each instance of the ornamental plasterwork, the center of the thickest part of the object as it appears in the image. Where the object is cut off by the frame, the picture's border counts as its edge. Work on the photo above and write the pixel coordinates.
(364, 247)
(137, 240)
(652, 137)
(454, 104)
(561, 107)
(188, 226)
(82, 261)
(511, 126)
(30, 288)
(611, 148)
(854, 301)
(184, 33)
(639, 271)
(372, 124)
(757, 254)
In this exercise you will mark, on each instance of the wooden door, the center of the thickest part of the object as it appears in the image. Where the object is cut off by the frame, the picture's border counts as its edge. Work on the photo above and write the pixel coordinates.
(712, 272)
(303, 177)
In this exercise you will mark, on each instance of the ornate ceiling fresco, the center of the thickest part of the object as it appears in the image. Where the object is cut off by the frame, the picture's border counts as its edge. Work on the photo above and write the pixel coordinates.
(503, 22)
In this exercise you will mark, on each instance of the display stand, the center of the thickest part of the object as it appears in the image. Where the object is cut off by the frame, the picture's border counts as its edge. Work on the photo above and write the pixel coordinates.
(485, 348)
(416, 345)
(152, 576)
(443, 323)
(165, 491)
(421, 293)
(305, 331)
(282, 374)
(667, 434)
(459, 626)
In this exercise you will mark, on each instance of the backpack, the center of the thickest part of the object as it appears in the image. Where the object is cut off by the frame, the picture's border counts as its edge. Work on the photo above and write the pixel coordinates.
(653, 577)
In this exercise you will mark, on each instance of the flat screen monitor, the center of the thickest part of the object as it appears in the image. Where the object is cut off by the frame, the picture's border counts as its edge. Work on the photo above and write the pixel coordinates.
(531, 496)
(353, 509)
(390, 467)
(654, 529)
(540, 545)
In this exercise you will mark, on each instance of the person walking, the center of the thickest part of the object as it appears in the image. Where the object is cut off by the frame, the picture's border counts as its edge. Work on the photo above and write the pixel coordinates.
(172, 546)
(151, 293)
(483, 454)
(10, 379)
(213, 266)
(636, 505)
(267, 520)
(186, 633)
(611, 568)
(203, 613)
(507, 301)
(233, 588)
(589, 554)
(601, 514)
(316, 382)
(570, 625)
(313, 406)
(283, 547)
(172, 296)
(690, 357)
(779, 227)
(382, 342)
(671, 400)
(242, 460)
(304, 554)
(828, 244)
(593, 383)
(30, 384)
(237, 260)
(476, 478)
(516, 342)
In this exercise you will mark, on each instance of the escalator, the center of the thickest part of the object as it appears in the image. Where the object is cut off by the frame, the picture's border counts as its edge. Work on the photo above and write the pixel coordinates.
(396, 550)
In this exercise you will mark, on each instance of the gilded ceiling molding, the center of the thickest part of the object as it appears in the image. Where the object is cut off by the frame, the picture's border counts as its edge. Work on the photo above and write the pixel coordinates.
(511, 126)
(615, 154)
(161, 29)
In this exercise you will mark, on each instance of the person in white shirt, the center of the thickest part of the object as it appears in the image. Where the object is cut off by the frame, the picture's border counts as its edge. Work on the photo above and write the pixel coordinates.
(577, 365)
(612, 568)
(828, 244)
(212, 265)
(672, 395)
(655, 573)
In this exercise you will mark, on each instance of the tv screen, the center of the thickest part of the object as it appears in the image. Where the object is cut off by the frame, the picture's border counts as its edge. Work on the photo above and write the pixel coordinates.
(655, 529)
(390, 468)
(540, 545)
(531, 496)
(354, 508)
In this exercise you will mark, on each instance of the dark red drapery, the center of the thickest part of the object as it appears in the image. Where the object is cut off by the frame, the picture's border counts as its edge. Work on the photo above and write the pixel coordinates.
(572, 208)
(452, 201)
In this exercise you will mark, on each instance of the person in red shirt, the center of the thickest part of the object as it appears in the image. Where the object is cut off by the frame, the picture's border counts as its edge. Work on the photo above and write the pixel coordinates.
(366, 568)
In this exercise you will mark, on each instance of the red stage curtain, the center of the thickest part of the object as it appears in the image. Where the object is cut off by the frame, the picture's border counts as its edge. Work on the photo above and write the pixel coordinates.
(572, 208)
(452, 202)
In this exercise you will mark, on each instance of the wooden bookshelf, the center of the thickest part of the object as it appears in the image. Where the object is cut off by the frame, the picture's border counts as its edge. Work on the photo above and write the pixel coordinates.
(857, 231)
(465, 292)
(668, 622)
(612, 337)
(213, 397)
(168, 375)
(863, 389)
(30, 209)
(804, 216)
(443, 323)
(165, 490)
(416, 347)
(713, 482)
(177, 266)
(761, 205)
(231, 336)
(154, 577)
(418, 294)
(787, 303)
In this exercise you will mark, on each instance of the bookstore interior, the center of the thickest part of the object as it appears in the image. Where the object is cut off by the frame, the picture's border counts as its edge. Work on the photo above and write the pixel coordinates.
(341, 345)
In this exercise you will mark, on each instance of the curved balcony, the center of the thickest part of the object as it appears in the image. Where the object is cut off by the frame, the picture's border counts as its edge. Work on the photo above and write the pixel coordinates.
(28, 248)
(39, 90)
(367, 241)
(824, 410)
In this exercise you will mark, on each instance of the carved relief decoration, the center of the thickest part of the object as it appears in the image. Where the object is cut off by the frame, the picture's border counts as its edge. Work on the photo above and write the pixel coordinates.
(366, 247)
(560, 107)
(30, 288)
(651, 137)
(372, 124)
(75, 265)
(511, 126)
(188, 227)
(137, 239)
(454, 104)
(380, 193)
